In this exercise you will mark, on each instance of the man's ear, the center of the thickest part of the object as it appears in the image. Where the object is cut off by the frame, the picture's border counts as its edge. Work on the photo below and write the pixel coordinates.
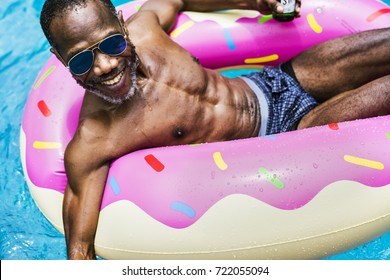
(59, 57)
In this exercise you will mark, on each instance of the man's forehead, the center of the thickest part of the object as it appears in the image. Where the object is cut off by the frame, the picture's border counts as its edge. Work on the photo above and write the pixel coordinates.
(75, 25)
(91, 11)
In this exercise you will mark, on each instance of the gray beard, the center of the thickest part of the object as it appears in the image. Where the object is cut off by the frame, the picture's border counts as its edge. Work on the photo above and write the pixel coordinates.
(131, 62)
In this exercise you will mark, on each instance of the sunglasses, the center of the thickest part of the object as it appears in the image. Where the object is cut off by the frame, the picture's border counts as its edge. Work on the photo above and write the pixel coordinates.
(82, 62)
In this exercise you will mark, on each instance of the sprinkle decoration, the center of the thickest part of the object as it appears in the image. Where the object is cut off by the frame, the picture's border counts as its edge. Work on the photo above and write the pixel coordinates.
(183, 208)
(46, 145)
(263, 59)
(271, 178)
(182, 28)
(154, 163)
(364, 162)
(333, 126)
(219, 161)
(114, 185)
(44, 76)
(377, 14)
(314, 24)
(42, 106)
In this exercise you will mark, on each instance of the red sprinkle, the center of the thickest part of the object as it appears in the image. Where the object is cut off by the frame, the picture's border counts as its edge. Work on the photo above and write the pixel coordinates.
(377, 14)
(154, 163)
(44, 108)
(333, 126)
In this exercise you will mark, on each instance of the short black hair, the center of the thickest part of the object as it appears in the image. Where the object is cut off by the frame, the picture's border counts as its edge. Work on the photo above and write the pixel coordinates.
(53, 8)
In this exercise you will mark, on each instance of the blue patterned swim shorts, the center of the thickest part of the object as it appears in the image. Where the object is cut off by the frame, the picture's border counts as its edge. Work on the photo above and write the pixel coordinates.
(283, 102)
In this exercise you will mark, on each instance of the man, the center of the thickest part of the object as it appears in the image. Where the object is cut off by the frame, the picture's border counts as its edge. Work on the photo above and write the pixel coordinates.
(143, 90)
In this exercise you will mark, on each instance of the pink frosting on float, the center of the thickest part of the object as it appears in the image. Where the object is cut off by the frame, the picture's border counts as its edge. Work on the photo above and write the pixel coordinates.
(260, 36)
(285, 170)
(177, 185)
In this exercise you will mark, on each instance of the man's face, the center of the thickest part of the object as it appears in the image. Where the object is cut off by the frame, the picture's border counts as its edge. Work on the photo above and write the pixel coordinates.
(111, 77)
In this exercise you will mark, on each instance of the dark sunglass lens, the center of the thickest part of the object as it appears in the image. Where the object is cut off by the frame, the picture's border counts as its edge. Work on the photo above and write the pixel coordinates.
(81, 63)
(114, 45)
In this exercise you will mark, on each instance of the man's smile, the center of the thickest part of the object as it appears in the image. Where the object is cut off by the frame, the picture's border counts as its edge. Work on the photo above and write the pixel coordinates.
(114, 80)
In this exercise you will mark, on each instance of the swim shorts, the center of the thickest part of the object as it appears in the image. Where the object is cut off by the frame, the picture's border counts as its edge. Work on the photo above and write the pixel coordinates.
(283, 102)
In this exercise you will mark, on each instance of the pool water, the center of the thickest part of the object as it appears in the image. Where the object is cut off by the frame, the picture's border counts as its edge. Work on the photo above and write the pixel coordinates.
(25, 234)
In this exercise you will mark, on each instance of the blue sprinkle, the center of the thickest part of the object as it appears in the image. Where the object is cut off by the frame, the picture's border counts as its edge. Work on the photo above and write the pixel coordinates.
(114, 185)
(229, 39)
(271, 136)
(183, 208)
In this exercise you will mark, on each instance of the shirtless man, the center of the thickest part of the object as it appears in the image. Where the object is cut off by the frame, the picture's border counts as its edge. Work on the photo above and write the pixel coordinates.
(143, 90)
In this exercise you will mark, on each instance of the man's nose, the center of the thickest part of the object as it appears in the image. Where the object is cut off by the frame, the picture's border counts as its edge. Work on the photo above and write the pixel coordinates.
(104, 63)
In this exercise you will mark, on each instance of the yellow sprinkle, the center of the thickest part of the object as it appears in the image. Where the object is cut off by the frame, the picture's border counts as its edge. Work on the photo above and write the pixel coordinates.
(364, 162)
(241, 67)
(314, 24)
(47, 145)
(219, 161)
(263, 59)
(44, 76)
(195, 144)
(180, 29)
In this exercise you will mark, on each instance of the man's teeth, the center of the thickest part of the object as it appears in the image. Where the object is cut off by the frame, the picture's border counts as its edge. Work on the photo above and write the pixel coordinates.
(113, 81)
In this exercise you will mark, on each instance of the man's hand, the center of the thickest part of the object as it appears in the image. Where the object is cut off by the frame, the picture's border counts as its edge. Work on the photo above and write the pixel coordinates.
(266, 7)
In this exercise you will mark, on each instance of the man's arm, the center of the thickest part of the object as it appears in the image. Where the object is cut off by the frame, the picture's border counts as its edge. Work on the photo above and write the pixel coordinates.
(87, 167)
(167, 10)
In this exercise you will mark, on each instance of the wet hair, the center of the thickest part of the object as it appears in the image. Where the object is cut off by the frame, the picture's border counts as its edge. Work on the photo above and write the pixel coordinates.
(54, 8)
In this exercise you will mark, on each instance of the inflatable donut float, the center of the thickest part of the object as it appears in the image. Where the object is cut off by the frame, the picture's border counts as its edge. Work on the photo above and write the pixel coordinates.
(299, 195)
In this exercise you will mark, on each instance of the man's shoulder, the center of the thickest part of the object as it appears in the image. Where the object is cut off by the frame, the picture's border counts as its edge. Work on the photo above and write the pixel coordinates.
(88, 148)
(94, 127)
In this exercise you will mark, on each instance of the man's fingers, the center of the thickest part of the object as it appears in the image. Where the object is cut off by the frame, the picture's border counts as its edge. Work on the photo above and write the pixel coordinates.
(298, 8)
(274, 6)
(266, 7)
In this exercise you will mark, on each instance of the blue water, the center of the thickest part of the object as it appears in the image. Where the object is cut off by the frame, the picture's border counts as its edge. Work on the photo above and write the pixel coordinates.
(24, 233)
